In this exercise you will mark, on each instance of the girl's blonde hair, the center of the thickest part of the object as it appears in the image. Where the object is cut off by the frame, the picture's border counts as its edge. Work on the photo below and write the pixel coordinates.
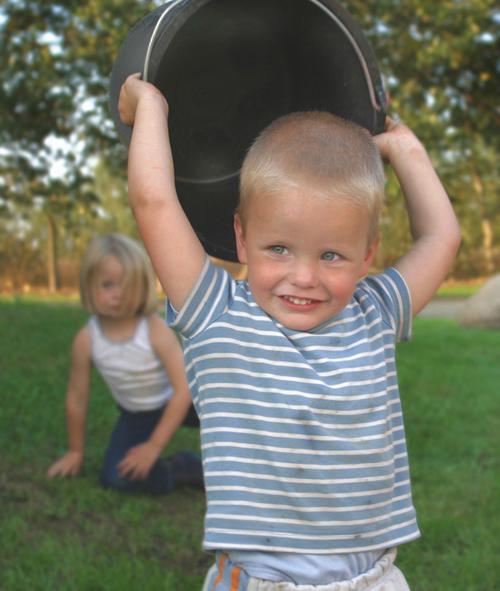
(318, 151)
(139, 281)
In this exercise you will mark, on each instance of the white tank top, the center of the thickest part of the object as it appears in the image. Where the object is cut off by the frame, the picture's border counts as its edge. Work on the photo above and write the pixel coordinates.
(131, 369)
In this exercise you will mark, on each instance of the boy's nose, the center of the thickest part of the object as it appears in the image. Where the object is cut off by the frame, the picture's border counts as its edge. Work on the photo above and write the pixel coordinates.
(303, 275)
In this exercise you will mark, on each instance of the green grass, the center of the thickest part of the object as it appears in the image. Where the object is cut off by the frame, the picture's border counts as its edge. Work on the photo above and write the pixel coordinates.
(40, 298)
(449, 378)
(70, 534)
(458, 290)
(59, 535)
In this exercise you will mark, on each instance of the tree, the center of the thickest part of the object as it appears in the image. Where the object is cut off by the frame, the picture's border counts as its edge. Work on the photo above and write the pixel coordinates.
(56, 58)
(441, 61)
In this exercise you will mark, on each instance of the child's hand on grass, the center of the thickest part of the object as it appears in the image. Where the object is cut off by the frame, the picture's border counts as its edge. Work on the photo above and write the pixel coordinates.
(138, 462)
(68, 465)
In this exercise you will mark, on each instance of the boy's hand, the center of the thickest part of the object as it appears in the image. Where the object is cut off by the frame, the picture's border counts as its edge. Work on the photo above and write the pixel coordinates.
(134, 89)
(68, 465)
(137, 464)
(433, 225)
(173, 246)
(396, 141)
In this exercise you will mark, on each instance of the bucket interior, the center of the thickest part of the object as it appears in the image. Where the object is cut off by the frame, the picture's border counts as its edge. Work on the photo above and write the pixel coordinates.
(228, 70)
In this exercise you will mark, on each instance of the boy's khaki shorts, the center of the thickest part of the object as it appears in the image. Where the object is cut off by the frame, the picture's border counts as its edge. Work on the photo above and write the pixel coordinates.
(384, 576)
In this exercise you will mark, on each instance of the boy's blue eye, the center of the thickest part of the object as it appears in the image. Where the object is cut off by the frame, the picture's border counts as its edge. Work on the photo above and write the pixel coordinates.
(279, 249)
(329, 256)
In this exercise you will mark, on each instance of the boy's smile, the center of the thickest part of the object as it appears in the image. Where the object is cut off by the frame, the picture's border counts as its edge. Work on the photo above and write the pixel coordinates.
(305, 255)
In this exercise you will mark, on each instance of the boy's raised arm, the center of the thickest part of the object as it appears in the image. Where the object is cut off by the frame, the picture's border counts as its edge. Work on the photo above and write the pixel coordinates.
(433, 224)
(175, 251)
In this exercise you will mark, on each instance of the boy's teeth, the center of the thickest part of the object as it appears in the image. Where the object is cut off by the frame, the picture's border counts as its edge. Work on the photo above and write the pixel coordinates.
(298, 301)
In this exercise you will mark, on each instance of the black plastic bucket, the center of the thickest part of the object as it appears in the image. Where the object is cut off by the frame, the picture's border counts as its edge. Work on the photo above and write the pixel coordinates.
(230, 67)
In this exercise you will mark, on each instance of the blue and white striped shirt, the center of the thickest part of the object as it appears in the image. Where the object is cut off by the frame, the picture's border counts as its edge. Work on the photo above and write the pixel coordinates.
(302, 432)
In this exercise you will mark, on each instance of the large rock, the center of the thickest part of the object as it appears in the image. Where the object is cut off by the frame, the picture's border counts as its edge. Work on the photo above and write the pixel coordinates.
(482, 310)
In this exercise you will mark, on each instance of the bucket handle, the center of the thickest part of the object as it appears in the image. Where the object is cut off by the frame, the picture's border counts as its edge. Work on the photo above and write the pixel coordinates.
(173, 4)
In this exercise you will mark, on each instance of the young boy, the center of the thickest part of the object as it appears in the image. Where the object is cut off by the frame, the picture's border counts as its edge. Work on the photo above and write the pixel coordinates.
(293, 372)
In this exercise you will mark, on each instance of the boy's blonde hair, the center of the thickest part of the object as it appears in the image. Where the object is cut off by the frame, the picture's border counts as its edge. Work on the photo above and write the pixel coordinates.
(328, 155)
(139, 281)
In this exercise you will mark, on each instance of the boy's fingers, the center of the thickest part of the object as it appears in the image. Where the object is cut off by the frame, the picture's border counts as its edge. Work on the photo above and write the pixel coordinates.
(390, 123)
(136, 76)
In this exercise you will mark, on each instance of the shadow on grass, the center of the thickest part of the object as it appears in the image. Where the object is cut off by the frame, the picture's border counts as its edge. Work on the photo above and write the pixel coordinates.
(57, 532)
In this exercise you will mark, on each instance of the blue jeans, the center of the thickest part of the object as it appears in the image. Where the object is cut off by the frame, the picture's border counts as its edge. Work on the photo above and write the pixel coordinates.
(131, 430)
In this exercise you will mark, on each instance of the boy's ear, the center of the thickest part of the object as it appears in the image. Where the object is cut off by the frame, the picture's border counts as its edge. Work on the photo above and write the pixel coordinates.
(370, 254)
(240, 240)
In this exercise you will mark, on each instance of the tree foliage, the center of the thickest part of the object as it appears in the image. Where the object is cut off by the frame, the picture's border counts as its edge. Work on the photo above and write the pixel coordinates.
(56, 58)
(440, 62)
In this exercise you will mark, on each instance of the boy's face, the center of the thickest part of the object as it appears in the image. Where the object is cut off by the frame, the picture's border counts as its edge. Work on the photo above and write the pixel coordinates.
(304, 254)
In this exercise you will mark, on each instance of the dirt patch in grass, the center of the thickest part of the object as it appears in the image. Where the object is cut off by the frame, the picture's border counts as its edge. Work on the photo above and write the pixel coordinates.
(78, 513)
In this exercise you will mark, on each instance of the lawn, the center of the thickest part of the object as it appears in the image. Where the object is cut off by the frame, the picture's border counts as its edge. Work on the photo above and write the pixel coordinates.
(59, 535)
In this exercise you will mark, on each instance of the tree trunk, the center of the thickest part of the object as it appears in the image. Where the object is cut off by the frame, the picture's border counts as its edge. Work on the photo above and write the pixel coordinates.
(488, 246)
(52, 254)
(485, 223)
